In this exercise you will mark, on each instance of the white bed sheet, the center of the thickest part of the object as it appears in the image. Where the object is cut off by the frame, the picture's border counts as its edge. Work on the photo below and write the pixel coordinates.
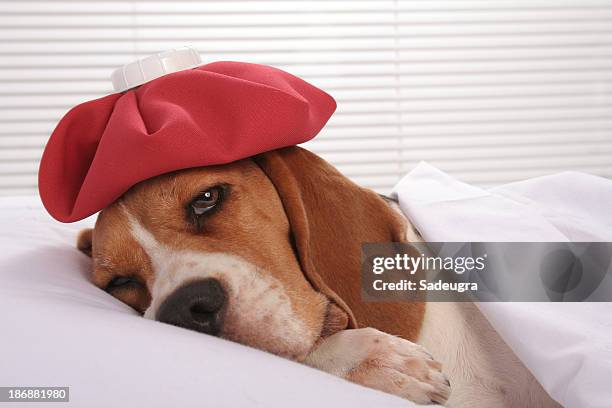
(60, 330)
(567, 346)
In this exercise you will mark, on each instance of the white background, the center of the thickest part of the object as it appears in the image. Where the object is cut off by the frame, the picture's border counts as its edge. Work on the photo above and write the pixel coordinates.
(488, 90)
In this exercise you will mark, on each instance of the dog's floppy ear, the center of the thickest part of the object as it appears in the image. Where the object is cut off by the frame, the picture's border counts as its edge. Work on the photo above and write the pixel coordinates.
(330, 218)
(84, 241)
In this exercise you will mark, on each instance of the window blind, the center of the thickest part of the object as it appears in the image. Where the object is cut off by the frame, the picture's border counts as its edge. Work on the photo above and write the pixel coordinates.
(490, 91)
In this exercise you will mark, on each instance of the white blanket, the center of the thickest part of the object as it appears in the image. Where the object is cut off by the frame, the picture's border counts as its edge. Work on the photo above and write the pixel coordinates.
(568, 346)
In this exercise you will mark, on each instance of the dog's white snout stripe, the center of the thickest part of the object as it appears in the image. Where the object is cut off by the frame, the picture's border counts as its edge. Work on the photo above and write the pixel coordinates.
(259, 312)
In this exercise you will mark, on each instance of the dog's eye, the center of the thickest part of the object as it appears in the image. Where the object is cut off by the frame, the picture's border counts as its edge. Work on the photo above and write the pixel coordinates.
(206, 201)
(120, 281)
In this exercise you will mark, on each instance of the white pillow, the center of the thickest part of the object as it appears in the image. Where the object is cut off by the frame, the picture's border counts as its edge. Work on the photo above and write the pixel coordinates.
(58, 329)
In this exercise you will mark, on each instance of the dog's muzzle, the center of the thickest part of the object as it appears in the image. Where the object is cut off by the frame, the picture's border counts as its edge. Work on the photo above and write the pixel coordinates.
(197, 306)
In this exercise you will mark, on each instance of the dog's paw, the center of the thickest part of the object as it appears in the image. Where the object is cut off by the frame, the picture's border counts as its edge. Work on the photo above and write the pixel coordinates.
(399, 367)
(378, 360)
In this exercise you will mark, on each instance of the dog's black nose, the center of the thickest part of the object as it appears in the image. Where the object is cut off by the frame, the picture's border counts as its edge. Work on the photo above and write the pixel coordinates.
(197, 306)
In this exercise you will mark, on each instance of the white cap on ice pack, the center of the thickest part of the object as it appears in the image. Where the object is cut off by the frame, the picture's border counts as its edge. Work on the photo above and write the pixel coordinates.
(144, 70)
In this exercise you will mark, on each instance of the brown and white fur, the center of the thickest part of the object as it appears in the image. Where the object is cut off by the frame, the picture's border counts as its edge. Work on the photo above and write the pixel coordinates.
(275, 265)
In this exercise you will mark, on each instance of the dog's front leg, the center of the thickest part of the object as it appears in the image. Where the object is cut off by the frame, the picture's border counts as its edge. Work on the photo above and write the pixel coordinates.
(379, 360)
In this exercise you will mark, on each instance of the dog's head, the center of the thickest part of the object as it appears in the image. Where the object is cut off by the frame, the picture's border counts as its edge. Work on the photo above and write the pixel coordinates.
(264, 251)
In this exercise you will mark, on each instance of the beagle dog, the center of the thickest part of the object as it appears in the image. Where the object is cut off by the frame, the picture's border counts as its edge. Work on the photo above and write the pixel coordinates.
(266, 252)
